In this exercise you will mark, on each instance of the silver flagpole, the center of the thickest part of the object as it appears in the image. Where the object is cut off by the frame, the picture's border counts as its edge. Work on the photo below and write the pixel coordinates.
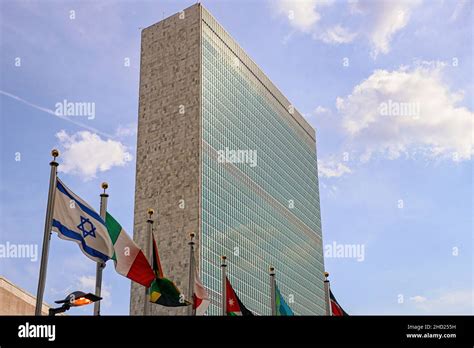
(224, 286)
(272, 289)
(326, 294)
(100, 265)
(48, 224)
(191, 309)
(149, 253)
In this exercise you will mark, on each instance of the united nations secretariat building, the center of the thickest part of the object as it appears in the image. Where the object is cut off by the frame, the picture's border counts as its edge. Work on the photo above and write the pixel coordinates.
(222, 153)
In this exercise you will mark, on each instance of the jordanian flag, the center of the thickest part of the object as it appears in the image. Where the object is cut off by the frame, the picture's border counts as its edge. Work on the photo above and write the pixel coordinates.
(162, 290)
(128, 257)
(233, 305)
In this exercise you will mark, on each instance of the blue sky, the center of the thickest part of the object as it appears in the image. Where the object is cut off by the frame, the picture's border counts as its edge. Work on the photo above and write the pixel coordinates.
(398, 185)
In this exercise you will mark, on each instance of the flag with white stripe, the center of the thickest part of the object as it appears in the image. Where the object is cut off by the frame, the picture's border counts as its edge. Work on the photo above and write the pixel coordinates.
(200, 297)
(75, 220)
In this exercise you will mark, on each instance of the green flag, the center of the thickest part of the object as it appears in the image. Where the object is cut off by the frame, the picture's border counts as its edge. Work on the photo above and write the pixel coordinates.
(282, 307)
(162, 291)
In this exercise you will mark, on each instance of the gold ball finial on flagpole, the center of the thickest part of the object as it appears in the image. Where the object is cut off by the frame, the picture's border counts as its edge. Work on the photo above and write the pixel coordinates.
(104, 186)
(272, 271)
(55, 153)
(223, 257)
(326, 275)
(191, 239)
(150, 212)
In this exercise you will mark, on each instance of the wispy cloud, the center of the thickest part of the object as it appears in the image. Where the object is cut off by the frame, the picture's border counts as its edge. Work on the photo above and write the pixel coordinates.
(87, 284)
(461, 8)
(129, 130)
(321, 110)
(377, 21)
(302, 15)
(337, 35)
(53, 113)
(447, 302)
(330, 168)
(418, 299)
(387, 17)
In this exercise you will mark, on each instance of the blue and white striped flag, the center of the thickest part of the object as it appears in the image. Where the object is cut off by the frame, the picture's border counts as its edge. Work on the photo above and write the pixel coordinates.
(75, 220)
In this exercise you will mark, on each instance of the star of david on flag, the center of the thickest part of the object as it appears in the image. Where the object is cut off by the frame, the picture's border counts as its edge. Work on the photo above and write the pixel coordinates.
(75, 220)
(84, 227)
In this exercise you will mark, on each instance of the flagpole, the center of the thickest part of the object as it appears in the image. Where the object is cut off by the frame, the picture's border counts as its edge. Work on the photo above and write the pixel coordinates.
(224, 286)
(191, 309)
(272, 289)
(146, 308)
(326, 294)
(100, 265)
(48, 225)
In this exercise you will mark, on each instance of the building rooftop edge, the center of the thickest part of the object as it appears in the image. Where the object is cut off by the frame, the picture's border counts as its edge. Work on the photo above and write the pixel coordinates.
(23, 291)
(257, 71)
(269, 84)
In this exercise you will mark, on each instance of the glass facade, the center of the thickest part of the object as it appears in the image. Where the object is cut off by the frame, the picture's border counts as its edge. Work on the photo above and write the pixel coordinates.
(261, 210)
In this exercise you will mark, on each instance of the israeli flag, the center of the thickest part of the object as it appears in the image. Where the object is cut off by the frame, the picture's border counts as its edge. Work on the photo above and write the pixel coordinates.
(75, 220)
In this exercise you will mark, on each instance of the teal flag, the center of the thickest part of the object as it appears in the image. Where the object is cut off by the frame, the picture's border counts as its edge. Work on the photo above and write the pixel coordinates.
(282, 308)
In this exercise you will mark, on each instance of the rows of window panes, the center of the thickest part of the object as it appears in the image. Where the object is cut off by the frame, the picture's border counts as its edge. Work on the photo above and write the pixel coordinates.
(236, 220)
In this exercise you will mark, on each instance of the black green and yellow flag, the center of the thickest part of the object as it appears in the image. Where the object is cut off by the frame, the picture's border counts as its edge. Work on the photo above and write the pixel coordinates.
(162, 291)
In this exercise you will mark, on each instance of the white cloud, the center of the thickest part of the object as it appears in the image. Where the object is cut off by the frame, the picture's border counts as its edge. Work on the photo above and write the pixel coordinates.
(337, 35)
(332, 169)
(321, 110)
(453, 302)
(438, 128)
(389, 17)
(378, 21)
(85, 153)
(418, 299)
(302, 14)
(86, 283)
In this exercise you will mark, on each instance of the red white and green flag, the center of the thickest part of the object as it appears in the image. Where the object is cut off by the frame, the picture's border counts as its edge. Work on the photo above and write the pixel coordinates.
(234, 307)
(129, 259)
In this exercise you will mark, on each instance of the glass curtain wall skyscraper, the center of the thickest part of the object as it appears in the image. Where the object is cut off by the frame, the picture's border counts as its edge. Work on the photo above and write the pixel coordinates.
(244, 164)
